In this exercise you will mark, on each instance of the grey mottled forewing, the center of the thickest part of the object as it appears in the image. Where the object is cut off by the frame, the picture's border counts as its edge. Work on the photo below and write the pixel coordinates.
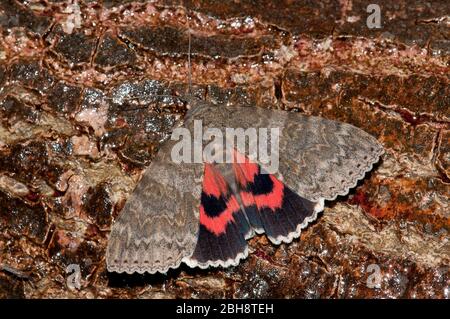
(318, 158)
(324, 158)
(158, 226)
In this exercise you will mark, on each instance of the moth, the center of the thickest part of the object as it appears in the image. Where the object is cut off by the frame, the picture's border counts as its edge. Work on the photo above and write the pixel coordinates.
(202, 214)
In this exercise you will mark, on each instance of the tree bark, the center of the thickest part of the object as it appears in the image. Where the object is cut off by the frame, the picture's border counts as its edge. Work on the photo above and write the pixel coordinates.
(79, 121)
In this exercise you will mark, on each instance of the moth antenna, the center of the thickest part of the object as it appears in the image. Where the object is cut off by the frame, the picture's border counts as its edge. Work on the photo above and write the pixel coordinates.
(189, 54)
(189, 60)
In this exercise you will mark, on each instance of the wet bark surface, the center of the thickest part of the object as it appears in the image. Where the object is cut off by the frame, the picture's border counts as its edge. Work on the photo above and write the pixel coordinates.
(81, 115)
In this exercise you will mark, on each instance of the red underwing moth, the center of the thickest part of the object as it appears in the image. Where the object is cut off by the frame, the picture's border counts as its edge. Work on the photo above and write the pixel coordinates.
(202, 213)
